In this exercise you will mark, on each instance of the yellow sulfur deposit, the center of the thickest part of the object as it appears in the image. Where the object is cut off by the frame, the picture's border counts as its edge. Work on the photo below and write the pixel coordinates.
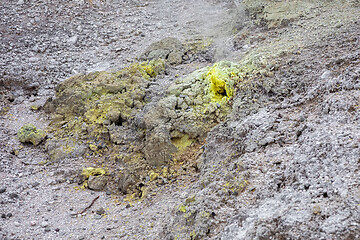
(221, 85)
(87, 172)
(182, 143)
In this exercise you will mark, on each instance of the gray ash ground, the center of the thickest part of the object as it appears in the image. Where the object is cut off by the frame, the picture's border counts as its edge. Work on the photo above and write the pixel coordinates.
(295, 149)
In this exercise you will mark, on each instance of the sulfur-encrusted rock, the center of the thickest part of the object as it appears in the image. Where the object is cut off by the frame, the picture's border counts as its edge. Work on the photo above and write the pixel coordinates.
(97, 107)
(188, 108)
(93, 178)
(29, 133)
(175, 52)
(170, 49)
(97, 183)
(59, 149)
(108, 115)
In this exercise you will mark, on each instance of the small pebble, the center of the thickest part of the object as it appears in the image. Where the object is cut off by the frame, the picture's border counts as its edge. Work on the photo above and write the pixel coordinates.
(100, 211)
(16, 224)
(13, 195)
(2, 190)
(35, 184)
(32, 223)
(44, 224)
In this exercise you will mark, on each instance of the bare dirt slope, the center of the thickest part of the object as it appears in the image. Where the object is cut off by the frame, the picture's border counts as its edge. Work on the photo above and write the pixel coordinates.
(284, 164)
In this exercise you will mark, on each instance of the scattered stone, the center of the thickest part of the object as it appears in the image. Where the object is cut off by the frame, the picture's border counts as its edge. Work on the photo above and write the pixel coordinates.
(29, 133)
(44, 224)
(326, 75)
(97, 183)
(73, 214)
(72, 40)
(11, 97)
(2, 190)
(153, 176)
(93, 147)
(170, 49)
(13, 195)
(35, 184)
(90, 171)
(35, 107)
(100, 211)
(174, 51)
(15, 152)
(316, 209)
(19, 100)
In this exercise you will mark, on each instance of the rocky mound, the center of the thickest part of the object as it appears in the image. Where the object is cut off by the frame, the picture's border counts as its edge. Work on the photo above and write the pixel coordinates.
(112, 117)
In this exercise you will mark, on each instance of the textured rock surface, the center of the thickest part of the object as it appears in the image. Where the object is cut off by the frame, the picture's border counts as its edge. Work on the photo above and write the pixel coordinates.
(30, 134)
(169, 49)
(176, 52)
(97, 182)
(106, 114)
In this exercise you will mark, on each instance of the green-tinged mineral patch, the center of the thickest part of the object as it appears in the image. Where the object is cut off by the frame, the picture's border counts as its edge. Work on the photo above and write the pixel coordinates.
(191, 107)
(93, 178)
(93, 116)
(175, 52)
(90, 171)
(183, 142)
(29, 133)
(87, 105)
(103, 116)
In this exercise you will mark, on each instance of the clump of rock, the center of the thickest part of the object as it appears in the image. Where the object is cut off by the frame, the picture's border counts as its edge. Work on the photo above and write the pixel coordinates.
(175, 52)
(31, 134)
